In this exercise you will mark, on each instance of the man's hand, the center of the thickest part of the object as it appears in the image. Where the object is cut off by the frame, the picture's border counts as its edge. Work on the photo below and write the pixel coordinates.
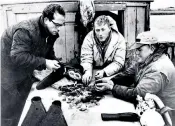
(52, 64)
(103, 85)
(87, 77)
(99, 74)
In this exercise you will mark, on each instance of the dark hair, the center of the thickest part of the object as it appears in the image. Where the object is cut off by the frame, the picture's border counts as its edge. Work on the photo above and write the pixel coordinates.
(51, 9)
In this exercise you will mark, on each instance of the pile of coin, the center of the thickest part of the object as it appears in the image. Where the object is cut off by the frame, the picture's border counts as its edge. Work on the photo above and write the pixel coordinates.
(80, 96)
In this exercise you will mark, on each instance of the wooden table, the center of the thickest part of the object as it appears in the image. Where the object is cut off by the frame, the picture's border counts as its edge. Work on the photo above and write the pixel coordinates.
(74, 117)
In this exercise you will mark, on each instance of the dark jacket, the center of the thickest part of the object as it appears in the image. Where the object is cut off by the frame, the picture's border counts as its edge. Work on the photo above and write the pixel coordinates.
(24, 48)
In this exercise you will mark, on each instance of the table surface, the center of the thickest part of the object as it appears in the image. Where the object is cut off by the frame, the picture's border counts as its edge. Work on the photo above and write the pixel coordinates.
(74, 117)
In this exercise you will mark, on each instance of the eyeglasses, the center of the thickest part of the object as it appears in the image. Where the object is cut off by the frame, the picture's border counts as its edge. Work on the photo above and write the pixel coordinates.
(57, 24)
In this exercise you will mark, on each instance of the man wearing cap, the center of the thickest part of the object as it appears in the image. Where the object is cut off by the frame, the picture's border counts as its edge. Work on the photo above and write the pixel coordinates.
(103, 48)
(153, 73)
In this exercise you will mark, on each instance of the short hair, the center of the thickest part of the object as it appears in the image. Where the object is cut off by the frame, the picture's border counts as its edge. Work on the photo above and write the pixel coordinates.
(51, 9)
(102, 20)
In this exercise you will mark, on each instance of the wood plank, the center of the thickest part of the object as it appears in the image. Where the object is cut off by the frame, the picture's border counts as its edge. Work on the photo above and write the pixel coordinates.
(50, 1)
(11, 18)
(126, 24)
(39, 7)
(131, 25)
(129, 32)
(60, 46)
(147, 18)
(127, 3)
(3, 19)
(70, 17)
(126, 36)
(111, 7)
(69, 41)
(162, 12)
(33, 15)
(136, 4)
(73, 6)
(27, 8)
(20, 17)
(124, 0)
(140, 24)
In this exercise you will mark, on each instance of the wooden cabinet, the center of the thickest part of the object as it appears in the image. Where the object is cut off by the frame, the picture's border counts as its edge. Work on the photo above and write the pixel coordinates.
(133, 19)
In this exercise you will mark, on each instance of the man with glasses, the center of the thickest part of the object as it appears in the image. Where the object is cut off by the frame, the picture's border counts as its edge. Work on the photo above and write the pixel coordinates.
(26, 46)
(154, 73)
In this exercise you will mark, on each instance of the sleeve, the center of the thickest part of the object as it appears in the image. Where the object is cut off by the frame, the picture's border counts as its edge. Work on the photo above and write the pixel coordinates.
(87, 54)
(119, 58)
(152, 83)
(125, 93)
(123, 82)
(126, 77)
(21, 53)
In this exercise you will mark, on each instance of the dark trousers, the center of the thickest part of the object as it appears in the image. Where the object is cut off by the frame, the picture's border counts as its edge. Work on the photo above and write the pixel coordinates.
(13, 100)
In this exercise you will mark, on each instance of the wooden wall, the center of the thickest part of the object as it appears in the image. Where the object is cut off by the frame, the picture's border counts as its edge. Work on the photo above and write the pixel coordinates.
(136, 20)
